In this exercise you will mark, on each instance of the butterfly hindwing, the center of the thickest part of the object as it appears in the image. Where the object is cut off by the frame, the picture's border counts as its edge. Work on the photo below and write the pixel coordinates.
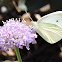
(49, 32)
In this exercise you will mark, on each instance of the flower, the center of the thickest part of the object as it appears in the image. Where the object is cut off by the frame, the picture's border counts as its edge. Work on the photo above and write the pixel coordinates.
(16, 33)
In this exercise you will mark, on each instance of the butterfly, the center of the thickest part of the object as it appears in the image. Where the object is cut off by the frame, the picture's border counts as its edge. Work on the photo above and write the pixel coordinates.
(49, 27)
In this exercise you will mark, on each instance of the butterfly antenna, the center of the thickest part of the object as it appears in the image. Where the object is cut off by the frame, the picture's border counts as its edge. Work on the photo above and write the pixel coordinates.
(28, 15)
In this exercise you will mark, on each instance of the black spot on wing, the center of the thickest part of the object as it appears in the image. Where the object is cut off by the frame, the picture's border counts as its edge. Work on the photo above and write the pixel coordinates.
(57, 21)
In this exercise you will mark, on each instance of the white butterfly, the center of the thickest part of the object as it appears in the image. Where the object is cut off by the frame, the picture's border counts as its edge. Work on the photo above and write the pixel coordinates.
(49, 27)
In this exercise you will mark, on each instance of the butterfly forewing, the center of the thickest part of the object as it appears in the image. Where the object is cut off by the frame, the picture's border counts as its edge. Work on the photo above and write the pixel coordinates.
(49, 32)
(54, 18)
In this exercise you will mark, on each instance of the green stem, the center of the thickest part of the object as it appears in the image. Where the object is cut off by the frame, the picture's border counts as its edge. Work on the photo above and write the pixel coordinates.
(18, 54)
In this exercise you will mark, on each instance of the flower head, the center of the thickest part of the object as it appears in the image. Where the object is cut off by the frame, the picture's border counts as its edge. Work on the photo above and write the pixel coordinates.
(16, 33)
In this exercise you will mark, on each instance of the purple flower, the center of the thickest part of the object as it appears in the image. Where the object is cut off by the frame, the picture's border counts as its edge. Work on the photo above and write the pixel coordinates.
(16, 33)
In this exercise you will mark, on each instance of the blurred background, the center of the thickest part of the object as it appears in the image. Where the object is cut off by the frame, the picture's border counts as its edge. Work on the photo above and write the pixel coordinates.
(42, 51)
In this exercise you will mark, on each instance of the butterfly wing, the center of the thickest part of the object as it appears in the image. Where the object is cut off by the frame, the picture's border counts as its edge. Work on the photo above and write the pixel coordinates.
(54, 18)
(49, 32)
